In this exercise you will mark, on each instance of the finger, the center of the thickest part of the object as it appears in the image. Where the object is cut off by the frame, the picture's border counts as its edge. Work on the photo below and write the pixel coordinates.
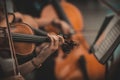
(45, 46)
(65, 27)
(51, 38)
(57, 21)
(56, 42)
(61, 40)
(41, 47)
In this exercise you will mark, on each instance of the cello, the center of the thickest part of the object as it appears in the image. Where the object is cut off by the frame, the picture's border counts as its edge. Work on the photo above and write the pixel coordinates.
(65, 67)
(68, 11)
(65, 12)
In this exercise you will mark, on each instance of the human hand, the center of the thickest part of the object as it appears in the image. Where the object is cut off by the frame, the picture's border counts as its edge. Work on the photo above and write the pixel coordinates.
(46, 49)
(63, 25)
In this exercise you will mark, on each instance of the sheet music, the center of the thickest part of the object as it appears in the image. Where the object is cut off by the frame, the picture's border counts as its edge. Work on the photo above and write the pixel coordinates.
(108, 38)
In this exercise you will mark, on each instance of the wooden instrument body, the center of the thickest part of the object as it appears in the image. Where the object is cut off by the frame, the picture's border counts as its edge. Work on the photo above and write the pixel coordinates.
(22, 48)
(67, 68)
(73, 14)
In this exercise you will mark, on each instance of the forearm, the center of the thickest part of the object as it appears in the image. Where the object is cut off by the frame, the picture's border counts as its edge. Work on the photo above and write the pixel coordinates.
(36, 62)
(26, 68)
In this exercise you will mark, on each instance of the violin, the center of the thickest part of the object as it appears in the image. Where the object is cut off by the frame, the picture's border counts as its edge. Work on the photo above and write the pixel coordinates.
(24, 39)
(24, 35)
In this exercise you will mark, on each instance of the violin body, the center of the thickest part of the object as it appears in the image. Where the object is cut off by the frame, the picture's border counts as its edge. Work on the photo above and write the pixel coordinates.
(23, 48)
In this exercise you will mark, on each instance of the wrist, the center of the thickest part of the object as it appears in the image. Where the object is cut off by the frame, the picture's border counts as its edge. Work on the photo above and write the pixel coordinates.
(36, 63)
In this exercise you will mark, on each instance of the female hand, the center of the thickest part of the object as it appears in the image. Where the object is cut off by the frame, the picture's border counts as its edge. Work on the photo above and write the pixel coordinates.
(46, 49)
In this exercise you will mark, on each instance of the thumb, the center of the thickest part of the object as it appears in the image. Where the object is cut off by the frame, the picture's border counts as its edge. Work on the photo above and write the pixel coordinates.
(41, 47)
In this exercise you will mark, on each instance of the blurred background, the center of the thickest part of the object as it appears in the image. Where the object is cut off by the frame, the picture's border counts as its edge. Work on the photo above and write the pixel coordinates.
(93, 14)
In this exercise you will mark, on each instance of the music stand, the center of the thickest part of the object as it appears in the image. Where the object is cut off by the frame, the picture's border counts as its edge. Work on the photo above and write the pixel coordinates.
(109, 38)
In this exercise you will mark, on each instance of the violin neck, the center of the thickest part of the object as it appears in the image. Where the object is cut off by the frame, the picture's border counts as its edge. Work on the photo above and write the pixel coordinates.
(29, 38)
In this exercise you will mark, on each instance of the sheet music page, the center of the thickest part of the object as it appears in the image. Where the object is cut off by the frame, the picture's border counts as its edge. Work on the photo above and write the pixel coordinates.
(107, 38)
